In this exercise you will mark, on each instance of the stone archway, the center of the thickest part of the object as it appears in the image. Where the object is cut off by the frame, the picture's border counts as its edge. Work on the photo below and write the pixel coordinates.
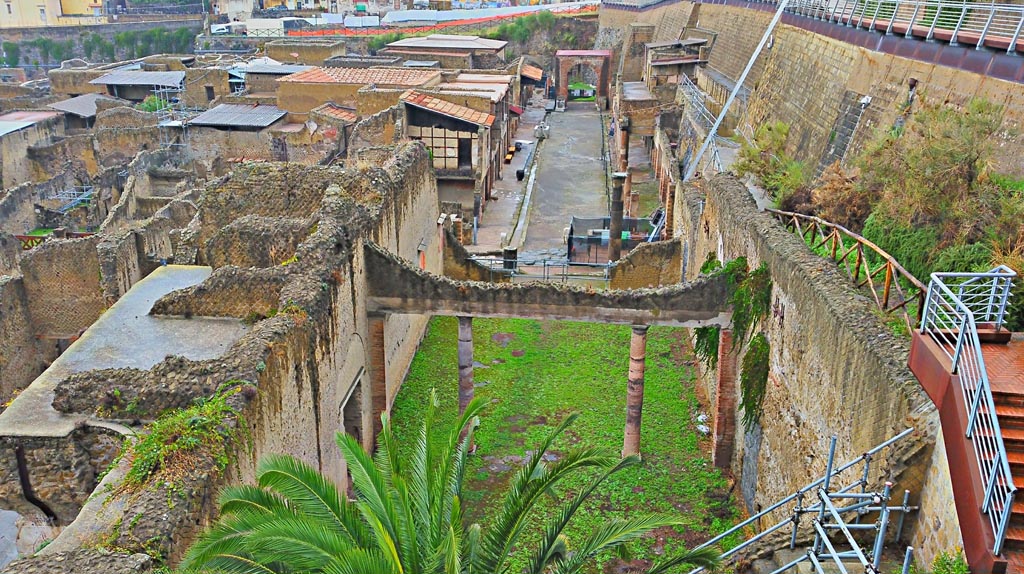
(597, 60)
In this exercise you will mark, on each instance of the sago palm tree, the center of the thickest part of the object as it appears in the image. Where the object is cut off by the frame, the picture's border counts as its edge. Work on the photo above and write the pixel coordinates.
(407, 516)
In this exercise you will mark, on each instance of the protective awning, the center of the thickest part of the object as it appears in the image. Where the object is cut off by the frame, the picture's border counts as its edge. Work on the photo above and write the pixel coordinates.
(516, 110)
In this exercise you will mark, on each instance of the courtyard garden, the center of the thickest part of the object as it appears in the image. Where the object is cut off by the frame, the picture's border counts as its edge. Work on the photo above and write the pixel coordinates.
(533, 374)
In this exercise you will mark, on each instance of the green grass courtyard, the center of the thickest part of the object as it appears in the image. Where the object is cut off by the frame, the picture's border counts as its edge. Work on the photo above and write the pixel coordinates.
(535, 373)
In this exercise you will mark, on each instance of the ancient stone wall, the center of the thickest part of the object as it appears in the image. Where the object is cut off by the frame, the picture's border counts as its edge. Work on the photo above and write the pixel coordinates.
(18, 205)
(649, 265)
(811, 81)
(62, 283)
(17, 167)
(382, 128)
(835, 368)
(254, 241)
(55, 155)
(459, 266)
(22, 356)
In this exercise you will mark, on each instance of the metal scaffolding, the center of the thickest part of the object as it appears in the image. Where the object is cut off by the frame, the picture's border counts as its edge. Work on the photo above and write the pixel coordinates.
(838, 533)
(173, 118)
(72, 197)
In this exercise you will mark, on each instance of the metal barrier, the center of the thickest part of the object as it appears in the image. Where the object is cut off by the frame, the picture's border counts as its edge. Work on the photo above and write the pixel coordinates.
(894, 296)
(703, 118)
(991, 25)
(953, 306)
(547, 270)
(830, 516)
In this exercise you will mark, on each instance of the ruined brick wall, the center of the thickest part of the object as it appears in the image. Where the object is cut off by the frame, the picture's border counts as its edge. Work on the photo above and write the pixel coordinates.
(58, 154)
(835, 368)
(201, 83)
(458, 265)
(649, 265)
(311, 52)
(62, 282)
(122, 132)
(229, 292)
(17, 167)
(253, 241)
(383, 128)
(22, 356)
(214, 148)
(18, 205)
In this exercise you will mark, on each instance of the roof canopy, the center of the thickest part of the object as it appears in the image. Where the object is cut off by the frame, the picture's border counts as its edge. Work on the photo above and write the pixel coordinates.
(83, 106)
(139, 78)
(239, 116)
(445, 108)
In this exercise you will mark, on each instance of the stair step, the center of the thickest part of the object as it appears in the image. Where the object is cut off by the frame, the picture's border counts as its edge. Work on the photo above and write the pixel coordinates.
(1010, 416)
(1007, 398)
(1015, 536)
(1013, 438)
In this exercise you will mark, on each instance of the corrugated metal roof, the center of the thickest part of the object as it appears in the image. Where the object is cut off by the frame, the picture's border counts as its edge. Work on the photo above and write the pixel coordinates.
(278, 69)
(84, 105)
(30, 116)
(7, 127)
(137, 78)
(421, 64)
(449, 42)
(239, 115)
(583, 53)
(364, 76)
(439, 106)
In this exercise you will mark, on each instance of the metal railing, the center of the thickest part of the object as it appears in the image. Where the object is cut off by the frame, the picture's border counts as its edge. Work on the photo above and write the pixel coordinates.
(896, 291)
(822, 493)
(546, 270)
(988, 24)
(703, 117)
(955, 303)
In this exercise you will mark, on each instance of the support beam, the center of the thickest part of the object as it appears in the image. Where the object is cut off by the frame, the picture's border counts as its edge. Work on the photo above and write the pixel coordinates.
(724, 433)
(375, 362)
(615, 226)
(635, 390)
(465, 362)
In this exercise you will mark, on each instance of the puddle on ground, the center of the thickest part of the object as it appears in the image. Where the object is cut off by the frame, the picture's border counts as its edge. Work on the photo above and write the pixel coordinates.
(502, 339)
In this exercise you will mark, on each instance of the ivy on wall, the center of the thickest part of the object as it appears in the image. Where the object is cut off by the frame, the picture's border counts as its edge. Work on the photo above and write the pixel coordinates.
(750, 297)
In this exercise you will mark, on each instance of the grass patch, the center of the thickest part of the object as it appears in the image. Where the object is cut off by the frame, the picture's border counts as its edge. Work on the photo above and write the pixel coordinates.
(535, 373)
(40, 232)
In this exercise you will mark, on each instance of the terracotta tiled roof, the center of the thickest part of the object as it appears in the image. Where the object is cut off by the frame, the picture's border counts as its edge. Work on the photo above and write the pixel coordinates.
(336, 111)
(439, 106)
(532, 72)
(379, 76)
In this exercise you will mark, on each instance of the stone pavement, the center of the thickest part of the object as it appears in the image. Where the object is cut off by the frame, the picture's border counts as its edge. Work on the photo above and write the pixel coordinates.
(500, 214)
(125, 335)
(570, 180)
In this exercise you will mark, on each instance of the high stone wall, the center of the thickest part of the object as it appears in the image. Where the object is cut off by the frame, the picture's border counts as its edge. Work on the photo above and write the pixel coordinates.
(255, 241)
(648, 265)
(62, 283)
(835, 368)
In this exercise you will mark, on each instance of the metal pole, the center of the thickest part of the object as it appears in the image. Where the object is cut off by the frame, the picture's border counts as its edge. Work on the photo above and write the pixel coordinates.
(903, 514)
(692, 169)
(615, 225)
(908, 559)
(883, 523)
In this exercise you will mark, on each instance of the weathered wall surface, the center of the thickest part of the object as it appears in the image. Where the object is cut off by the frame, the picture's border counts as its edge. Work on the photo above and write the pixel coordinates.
(835, 369)
(62, 282)
(803, 80)
(649, 265)
(22, 356)
(16, 167)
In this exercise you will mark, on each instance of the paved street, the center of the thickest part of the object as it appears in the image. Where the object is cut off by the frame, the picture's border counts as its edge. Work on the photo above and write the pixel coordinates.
(570, 180)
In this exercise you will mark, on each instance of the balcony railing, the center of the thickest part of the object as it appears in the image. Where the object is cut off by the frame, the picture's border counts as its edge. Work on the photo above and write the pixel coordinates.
(983, 25)
(955, 303)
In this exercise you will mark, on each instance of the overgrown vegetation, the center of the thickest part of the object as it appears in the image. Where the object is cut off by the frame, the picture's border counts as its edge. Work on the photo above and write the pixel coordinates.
(378, 42)
(534, 373)
(12, 54)
(153, 104)
(766, 159)
(90, 45)
(750, 297)
(174, 441)
(521, 29)
(945, 562)
(925, 192)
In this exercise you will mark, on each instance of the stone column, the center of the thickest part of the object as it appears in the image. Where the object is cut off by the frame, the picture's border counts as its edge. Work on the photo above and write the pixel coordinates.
(375, 364)
(724, 433)
(615, 226)
(635, 390)
(623, 143)
(465, 362)
(634, 196)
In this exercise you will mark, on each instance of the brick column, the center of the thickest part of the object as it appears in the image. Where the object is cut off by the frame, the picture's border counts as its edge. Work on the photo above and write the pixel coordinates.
(465, 362)
(375, 364)
(724, 434)
(635, 390)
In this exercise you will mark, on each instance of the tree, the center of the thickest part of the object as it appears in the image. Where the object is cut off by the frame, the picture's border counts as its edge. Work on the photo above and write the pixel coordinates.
(12, 54)
(407, 515)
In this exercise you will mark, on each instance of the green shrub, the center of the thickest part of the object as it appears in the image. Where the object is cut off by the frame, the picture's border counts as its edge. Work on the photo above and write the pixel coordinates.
(153, 104)
(950, 562)
(766, 159)
(911, 246)
(963, 258)
(754, 378)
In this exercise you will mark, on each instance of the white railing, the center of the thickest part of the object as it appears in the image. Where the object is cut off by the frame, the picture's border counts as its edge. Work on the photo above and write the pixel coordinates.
(980, 24)
(955, 303)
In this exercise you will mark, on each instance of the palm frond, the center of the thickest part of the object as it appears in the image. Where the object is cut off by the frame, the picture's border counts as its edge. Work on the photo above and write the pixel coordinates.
(303, 544)
(375, 500)
(708, 558)
(311, 493)
(234, 499)
(224, 544)
(361, 561)
(552, 538)
(607, 536)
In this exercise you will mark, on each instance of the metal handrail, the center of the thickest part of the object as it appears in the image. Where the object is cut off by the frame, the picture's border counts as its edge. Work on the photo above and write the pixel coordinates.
(814, 229)
(949, 319)
(990, 24)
